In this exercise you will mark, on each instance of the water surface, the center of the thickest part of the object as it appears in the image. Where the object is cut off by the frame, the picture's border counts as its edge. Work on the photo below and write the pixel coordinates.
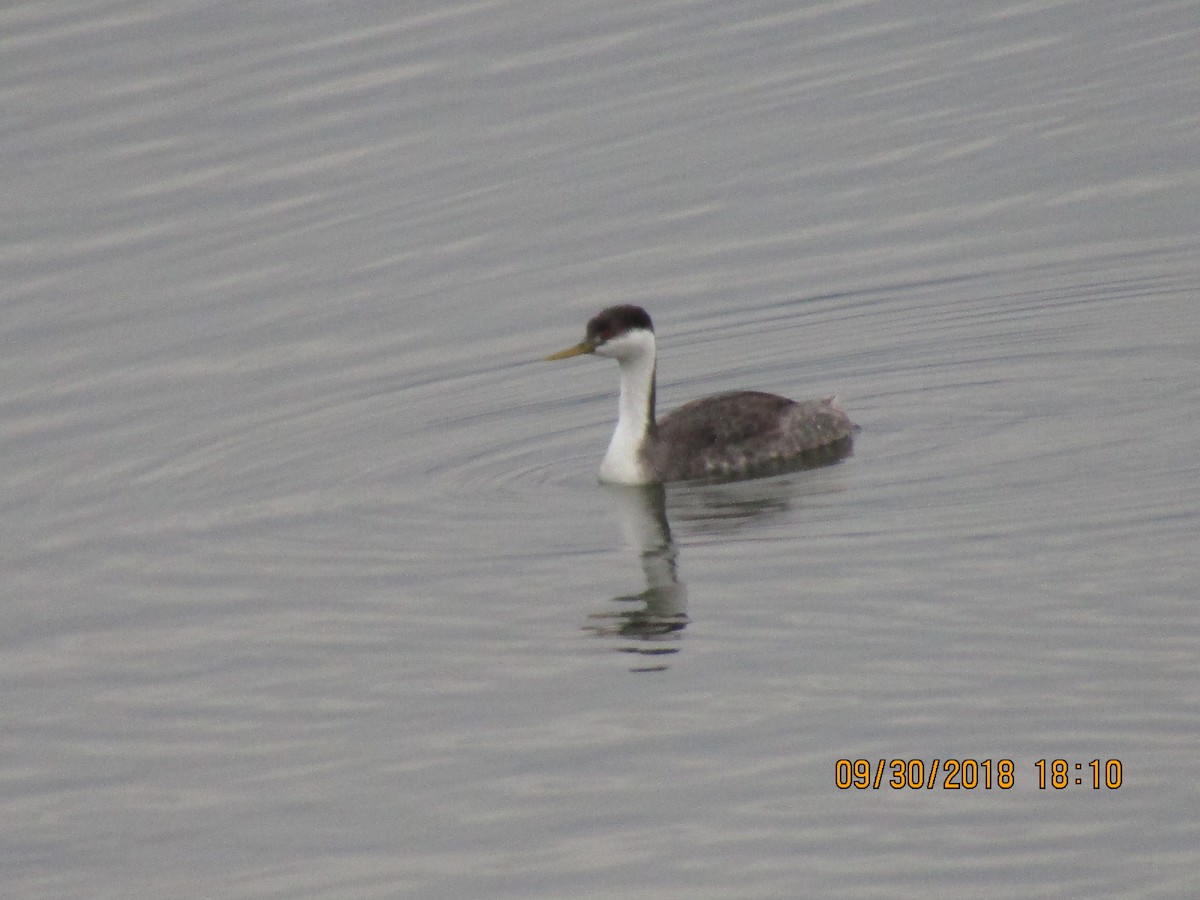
(310, 589)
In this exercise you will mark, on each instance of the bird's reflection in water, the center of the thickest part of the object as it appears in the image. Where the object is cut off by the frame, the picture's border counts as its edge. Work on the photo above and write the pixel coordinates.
(650, 624)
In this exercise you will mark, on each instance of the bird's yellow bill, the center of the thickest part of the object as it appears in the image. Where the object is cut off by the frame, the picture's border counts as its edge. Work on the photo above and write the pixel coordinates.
(577, 350)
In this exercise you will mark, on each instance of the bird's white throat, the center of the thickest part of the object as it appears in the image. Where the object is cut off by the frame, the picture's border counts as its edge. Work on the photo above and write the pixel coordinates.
(635, 352)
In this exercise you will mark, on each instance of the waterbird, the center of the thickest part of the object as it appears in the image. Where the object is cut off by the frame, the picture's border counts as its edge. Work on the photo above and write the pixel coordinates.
(737, 434)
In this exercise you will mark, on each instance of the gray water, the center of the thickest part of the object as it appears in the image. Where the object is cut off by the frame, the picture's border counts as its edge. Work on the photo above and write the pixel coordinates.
(309, 588)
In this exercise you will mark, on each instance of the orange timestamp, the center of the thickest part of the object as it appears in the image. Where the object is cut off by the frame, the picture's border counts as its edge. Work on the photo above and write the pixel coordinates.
(971, 774)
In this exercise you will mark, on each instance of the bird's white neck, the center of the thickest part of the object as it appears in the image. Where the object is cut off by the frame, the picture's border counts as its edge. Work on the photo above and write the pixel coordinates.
(623, 461)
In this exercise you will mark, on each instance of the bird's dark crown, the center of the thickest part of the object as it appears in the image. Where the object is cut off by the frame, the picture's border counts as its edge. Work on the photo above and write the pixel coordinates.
(616, 320)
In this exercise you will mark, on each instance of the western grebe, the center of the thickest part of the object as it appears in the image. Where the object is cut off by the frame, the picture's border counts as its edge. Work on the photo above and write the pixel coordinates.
(736, 434)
